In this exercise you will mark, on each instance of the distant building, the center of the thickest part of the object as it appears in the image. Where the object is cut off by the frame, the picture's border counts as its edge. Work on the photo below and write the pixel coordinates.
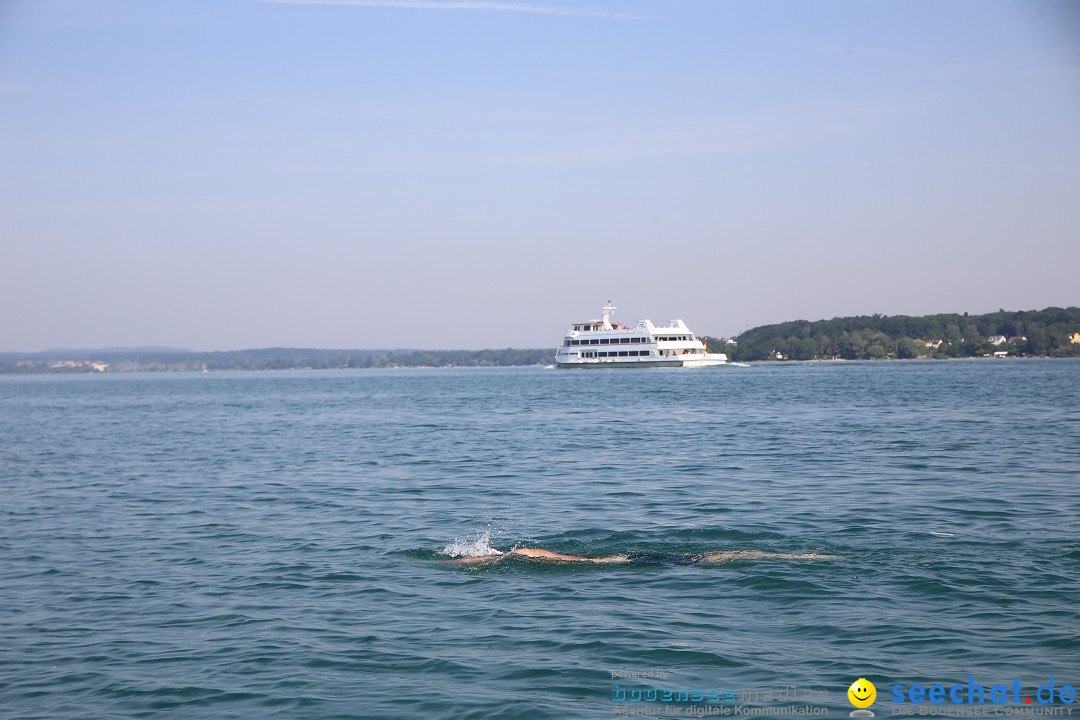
(1001, 353)
(996, 340)
(1075, 338)
(92, 364)
(1018, 339)
(932, 344)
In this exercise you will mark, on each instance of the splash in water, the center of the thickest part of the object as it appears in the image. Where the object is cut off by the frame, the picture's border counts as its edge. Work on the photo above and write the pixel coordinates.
(477, 546)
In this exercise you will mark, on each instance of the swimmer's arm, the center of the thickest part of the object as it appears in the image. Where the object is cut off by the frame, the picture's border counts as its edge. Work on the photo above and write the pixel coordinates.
(540, 554)
(475, 560)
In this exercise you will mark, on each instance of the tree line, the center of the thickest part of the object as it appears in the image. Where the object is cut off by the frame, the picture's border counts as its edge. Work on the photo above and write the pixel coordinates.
(1033, 333)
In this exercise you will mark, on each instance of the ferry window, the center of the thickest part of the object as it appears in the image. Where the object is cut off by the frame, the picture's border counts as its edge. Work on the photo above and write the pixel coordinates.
(623, 353)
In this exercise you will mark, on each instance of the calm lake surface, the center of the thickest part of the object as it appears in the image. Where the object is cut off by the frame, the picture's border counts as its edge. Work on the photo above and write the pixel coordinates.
(250, 545)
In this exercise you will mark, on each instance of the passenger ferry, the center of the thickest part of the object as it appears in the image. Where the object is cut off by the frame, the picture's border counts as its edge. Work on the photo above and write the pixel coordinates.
(603, 343)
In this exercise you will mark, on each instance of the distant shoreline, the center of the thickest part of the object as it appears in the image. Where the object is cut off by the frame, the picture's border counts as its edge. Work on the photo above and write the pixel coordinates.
(1048, 333)
(119, 361)
(135, 369)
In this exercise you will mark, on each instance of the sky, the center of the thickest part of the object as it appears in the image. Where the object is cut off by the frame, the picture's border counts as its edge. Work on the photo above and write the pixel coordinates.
(229, 174)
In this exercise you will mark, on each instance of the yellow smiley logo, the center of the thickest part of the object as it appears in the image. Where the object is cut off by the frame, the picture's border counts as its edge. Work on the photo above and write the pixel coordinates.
(862, 693)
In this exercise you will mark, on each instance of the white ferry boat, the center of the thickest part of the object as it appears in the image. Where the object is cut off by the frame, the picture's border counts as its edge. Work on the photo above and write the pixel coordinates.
(603, 343)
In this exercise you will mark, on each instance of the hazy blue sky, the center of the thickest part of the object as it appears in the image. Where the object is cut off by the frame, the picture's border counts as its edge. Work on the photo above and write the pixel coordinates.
(431, 173)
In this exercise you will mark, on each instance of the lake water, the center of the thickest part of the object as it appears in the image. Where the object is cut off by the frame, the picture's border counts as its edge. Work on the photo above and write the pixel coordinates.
(249, 545)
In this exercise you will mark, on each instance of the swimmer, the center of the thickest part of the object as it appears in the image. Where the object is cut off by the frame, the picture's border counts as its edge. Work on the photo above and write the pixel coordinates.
(711, 558)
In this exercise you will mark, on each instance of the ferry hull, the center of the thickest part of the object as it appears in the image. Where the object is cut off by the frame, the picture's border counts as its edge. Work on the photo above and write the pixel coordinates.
(712, 361)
